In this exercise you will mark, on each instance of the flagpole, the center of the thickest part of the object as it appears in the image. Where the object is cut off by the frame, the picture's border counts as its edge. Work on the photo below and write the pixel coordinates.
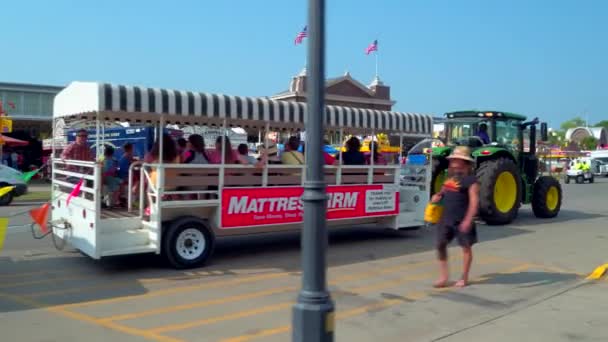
(376, 63)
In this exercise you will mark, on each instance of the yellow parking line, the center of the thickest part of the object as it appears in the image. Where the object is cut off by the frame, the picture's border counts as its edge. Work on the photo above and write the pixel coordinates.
(350, 277)
(337, 281)
(222, 283)
(188, 306)
(182, 289)
(89, 319)
(285, 305)
(365, 308)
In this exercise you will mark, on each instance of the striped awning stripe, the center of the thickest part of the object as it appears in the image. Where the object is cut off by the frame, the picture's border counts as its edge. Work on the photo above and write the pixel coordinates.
(129, 102)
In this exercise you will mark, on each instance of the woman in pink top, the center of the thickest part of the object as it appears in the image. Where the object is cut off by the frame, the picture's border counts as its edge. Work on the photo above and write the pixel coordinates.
(230, 157)
(378, 157)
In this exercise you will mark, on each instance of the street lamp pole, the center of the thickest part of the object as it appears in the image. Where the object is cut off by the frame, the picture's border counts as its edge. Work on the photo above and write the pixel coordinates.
(313, 314)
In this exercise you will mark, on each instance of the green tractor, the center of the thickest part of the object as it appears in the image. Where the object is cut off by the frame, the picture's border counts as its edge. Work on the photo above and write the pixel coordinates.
(504, 148)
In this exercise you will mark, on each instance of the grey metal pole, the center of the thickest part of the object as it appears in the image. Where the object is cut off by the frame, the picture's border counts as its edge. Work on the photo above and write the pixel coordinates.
(313, 314)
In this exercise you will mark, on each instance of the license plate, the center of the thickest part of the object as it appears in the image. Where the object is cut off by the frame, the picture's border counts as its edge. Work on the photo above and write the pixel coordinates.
(587, 176)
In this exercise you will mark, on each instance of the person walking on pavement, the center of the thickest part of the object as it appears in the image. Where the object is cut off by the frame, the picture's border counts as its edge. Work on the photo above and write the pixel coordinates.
(460, 198)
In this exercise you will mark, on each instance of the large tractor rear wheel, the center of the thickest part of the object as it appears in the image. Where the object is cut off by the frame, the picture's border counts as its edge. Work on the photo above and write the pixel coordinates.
(547, 197)
(499, 191)
(440, 167)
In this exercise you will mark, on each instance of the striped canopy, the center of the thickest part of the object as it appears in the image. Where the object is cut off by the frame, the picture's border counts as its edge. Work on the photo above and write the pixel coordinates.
(139, 105)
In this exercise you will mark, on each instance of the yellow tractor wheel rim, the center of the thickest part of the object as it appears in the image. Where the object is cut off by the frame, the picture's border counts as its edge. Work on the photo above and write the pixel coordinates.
(439, 180)
(552, 198)
(505, 192)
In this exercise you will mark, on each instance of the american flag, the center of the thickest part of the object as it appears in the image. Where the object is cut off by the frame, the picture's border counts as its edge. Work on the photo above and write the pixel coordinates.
(372, 47)
(303, 34)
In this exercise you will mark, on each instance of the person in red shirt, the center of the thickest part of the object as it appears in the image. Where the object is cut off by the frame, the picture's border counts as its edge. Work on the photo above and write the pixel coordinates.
(78, 150)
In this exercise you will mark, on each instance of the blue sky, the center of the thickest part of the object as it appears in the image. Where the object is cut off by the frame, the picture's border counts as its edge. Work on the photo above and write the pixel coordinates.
(546, 58)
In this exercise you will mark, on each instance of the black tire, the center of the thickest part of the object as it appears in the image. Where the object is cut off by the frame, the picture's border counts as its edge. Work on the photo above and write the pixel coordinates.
(181, 239)
(591, 180)
(487, 175)
(440, 165)
(542, 187)
(580, 179)
(567, 180)
(7, 199)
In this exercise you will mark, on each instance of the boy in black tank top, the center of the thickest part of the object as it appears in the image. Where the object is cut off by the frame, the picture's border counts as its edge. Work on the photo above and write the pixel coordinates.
(460, 195)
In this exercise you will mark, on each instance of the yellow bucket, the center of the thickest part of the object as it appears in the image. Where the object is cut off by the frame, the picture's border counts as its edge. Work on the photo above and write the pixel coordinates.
(433, 213)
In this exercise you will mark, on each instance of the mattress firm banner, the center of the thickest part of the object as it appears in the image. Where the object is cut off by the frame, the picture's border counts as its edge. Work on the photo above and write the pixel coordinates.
(248, 207)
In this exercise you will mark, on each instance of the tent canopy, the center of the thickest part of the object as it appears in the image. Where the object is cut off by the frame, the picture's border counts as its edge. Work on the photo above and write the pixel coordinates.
(89, 100)
(12, 142)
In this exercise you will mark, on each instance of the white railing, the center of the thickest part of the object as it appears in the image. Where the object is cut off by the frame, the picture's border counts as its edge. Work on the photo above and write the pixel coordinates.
(67, 173)
(197, 179)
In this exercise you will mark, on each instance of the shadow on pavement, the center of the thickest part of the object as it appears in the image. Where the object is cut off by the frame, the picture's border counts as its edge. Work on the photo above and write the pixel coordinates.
(528, 279)
(526, 217)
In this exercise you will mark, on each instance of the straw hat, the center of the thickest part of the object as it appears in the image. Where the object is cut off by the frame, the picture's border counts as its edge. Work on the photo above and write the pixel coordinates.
(272, 152)
(462, 153)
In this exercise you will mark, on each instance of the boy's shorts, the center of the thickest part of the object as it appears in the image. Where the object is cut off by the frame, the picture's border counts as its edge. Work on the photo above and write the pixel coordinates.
(447, 232)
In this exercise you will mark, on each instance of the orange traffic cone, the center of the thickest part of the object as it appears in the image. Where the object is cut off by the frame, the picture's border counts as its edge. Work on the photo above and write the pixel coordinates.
(40, 215)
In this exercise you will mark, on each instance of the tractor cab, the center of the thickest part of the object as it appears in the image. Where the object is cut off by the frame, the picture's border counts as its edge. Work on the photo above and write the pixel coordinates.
(476, 129)
(504, 148)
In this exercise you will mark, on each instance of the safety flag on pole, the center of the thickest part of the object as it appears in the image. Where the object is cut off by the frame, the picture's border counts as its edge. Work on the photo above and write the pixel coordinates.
(5, 190)
(74, 192)
(40, 215)
(27, 176)
(3, 228)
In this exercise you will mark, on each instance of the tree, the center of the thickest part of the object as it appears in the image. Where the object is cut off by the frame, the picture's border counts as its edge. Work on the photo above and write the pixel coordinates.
(557, 138)
(589, 143)
(603, 123)
(573, 123)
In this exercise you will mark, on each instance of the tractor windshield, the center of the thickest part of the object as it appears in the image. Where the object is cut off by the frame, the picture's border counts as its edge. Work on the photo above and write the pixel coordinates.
(467, 132)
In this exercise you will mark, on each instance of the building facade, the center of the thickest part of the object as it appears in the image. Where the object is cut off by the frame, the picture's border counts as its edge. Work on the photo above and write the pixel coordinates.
(579, 133)
(33, 112)
(342, 91)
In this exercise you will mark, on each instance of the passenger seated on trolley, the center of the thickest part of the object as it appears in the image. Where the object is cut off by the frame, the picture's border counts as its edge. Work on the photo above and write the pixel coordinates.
(378, 157)
(123, 170)
(195, 154)
(352, 155)
(182, 148)
(195, 151)
(170, 156)
(111, 181)
(244, 156)
(230, 157)
(291, 155)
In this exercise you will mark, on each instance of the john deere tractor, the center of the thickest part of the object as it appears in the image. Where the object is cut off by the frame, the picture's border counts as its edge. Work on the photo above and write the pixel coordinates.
(504, 148)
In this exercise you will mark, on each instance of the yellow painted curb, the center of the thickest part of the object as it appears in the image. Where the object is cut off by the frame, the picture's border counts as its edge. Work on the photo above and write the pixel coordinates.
(598, 272)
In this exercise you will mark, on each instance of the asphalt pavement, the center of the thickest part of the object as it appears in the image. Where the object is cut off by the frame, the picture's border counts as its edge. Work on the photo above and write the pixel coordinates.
(528, 285)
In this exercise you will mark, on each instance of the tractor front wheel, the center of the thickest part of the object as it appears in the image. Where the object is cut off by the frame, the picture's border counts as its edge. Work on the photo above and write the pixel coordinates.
(499, 191)
(440, 167)
(546, 197)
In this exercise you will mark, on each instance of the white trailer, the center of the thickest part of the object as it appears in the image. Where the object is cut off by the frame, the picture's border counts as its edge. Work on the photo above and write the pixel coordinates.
(190, 206)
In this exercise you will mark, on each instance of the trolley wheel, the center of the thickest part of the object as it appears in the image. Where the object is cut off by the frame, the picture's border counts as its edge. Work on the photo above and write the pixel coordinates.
(187, 242)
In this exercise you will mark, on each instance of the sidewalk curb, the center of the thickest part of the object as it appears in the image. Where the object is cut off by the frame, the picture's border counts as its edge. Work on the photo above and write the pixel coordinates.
(577, 284)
